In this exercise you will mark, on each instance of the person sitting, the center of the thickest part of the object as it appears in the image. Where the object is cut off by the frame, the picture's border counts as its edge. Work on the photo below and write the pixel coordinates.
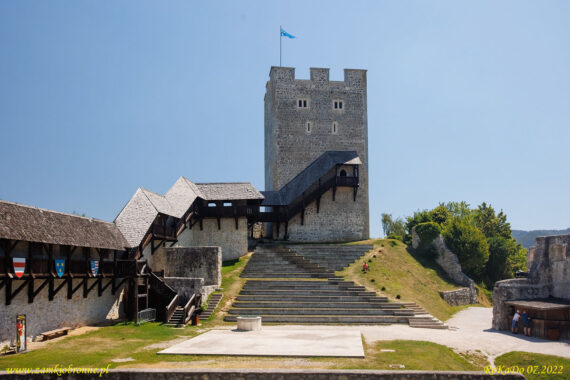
(515, 324)
(526, 323)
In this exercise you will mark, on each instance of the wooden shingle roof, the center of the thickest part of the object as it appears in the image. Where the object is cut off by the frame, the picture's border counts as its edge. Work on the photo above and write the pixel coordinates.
(27, 223)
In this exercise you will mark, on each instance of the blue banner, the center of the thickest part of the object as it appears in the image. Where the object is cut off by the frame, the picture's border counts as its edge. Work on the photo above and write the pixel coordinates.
(284, 33)
(60, 267)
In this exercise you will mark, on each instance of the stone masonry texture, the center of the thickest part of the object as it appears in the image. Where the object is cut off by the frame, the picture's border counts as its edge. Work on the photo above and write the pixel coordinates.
(233, 242)
(45, 315)
(549, 276)
(290, 148)
(190, 262)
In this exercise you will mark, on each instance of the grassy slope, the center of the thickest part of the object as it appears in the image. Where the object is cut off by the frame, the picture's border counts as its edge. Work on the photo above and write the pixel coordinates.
(414, 279)
(543, 366)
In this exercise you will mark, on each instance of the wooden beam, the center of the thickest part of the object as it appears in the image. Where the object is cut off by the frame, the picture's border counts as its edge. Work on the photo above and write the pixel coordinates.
(117, 286)
(38, 290)
(9, 294)
(219, 225)
(2, 283)
(286, 228)
(53, 292)
(87, 290)
(103, 288)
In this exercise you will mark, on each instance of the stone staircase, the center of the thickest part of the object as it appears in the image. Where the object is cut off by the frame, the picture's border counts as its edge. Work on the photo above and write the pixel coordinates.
(296, 284)
(343, 256)
(213, 303)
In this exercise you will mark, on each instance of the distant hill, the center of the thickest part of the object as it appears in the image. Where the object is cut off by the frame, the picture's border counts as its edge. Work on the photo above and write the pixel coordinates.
(527, 238)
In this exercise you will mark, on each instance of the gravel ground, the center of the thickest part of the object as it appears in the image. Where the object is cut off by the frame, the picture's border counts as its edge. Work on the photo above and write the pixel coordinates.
(470, 330)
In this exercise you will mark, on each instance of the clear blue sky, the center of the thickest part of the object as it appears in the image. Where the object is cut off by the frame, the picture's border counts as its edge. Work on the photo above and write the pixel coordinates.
(467, 100)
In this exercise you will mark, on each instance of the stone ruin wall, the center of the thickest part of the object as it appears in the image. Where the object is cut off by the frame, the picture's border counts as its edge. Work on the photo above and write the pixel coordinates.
(549, 276)
(449, 262)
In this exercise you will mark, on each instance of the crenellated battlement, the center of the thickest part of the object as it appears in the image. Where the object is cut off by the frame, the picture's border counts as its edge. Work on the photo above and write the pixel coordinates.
(319, 77)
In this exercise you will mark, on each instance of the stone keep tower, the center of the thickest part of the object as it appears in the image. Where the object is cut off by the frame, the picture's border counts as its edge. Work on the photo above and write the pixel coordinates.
(303, 120)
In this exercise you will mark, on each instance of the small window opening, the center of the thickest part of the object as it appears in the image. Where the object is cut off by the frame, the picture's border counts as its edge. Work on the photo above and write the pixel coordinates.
(337, 104)
(308, 127)
(227, 204)
(343, 173)
(302, 103)
(212, 204)
(334, 128)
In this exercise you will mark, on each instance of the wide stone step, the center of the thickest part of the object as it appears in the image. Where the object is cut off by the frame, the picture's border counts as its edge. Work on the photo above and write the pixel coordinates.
(294, 293)
(313, 305)
(317, 311)
(316, 298)
(319, 319)
(286, 275)
(323, 286)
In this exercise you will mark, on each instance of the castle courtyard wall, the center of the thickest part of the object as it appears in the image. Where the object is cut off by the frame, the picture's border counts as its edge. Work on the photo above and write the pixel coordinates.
(232, 241)
(45, 315)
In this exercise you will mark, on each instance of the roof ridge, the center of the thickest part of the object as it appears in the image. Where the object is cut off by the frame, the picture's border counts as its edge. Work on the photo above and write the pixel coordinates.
(55, 212)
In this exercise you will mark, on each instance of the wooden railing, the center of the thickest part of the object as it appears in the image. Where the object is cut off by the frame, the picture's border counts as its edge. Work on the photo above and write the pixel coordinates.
(191, 306)
(171, 308)
(165, 299)
(163, 231)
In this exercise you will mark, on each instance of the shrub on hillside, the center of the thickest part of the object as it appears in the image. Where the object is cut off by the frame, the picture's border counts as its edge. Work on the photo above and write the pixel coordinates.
(394, 236)
(470, 246)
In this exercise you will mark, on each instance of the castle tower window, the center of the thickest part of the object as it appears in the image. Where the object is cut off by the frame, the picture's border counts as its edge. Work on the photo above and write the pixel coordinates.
(343, 173)
(337, 105)
(303, 103)
(334, 128)
(308, 127)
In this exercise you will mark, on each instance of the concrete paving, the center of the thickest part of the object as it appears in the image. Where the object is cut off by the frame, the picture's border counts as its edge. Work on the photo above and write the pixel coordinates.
(274, 342)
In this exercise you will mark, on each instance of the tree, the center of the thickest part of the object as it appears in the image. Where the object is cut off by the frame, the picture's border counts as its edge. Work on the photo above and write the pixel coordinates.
(470, 246)
(440, 214)
(411, 221)
(490, 224)
(394, 227)
(506, 257)
(386, 222)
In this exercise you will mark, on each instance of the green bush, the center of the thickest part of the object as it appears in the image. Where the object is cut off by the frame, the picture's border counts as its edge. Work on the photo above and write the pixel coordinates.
(470, 246)
(427, 232)
(394, 236)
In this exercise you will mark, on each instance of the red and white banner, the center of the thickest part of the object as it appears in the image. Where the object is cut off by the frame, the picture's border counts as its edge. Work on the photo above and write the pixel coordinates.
(19, 266)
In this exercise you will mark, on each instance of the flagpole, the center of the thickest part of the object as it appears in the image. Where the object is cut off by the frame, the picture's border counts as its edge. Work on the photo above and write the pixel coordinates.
(280, 38)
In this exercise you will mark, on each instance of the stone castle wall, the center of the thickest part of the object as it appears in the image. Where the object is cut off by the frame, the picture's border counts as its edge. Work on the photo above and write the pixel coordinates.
(290, 148)
(347, 216)
(190, 262)
(549, 276)
(44, 315)
(233, 242)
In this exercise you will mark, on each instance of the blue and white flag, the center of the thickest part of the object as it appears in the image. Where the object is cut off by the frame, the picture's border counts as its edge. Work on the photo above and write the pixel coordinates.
(94, 267)
(60, 267)
(284, 33)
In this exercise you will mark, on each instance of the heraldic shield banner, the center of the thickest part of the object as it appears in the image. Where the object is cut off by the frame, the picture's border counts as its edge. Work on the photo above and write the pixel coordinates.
(60, 267)
(94, 267)
(19, 266)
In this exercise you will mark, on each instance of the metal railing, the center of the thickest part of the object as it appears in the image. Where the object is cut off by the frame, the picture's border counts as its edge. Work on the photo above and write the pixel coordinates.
(146, 315)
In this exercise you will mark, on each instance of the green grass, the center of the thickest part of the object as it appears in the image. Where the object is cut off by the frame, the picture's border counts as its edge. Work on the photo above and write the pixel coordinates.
(395, 268)
(97, 348)
(535, 366)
